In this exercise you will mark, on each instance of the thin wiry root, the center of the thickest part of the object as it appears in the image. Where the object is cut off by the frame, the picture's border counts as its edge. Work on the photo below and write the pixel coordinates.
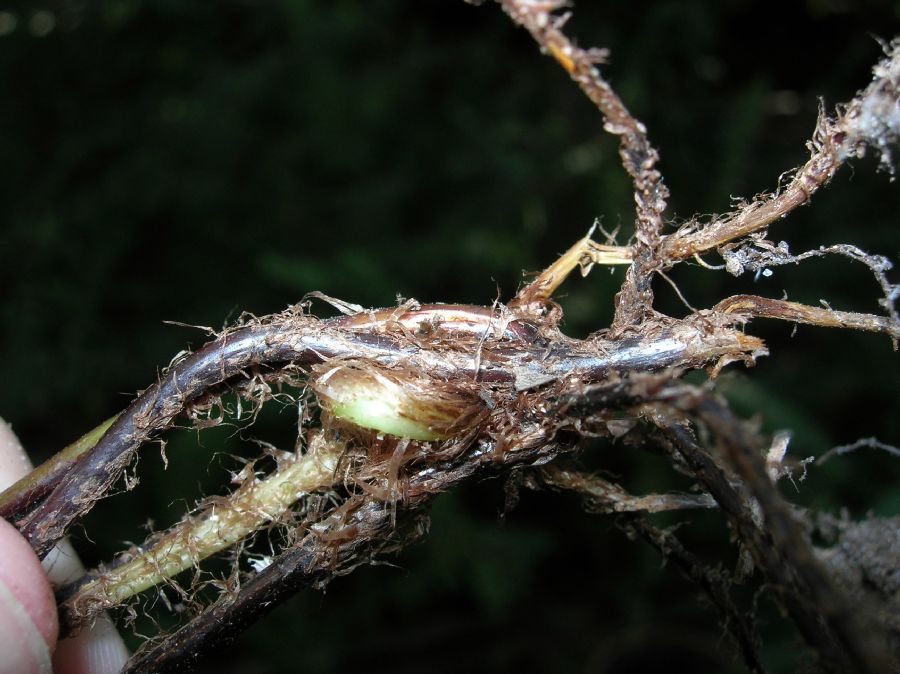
(603, 496)
(758, 255)
(870, 119)
(752, 306)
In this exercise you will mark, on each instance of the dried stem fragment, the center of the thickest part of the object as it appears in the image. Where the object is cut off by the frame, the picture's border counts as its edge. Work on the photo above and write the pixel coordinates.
(753, 306)
(584, 254)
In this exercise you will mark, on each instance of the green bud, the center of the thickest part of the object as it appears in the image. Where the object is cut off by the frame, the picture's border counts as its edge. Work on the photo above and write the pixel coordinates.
(397, 403)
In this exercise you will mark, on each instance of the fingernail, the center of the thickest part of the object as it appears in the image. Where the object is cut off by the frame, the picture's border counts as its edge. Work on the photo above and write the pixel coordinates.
(97, 650)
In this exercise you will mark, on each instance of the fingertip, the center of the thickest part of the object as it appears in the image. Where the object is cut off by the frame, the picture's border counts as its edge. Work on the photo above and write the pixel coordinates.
(98, 649)
(23, 576)
(29, 625)
(14, 462)
(28, 620)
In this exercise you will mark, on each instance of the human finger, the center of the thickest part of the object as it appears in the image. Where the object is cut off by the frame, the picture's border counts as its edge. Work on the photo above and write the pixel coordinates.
(95, 650)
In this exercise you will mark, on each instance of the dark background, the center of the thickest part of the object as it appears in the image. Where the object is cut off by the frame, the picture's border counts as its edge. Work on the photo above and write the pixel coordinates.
(187, 161)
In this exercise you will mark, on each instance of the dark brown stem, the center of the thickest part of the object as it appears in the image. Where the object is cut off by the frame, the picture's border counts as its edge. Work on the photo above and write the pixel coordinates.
(15, 501)
(780, 550)
(472, 349)
(715, 584)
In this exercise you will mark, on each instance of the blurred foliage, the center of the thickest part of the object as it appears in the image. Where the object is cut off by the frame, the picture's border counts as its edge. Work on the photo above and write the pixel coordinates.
(188, 161)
